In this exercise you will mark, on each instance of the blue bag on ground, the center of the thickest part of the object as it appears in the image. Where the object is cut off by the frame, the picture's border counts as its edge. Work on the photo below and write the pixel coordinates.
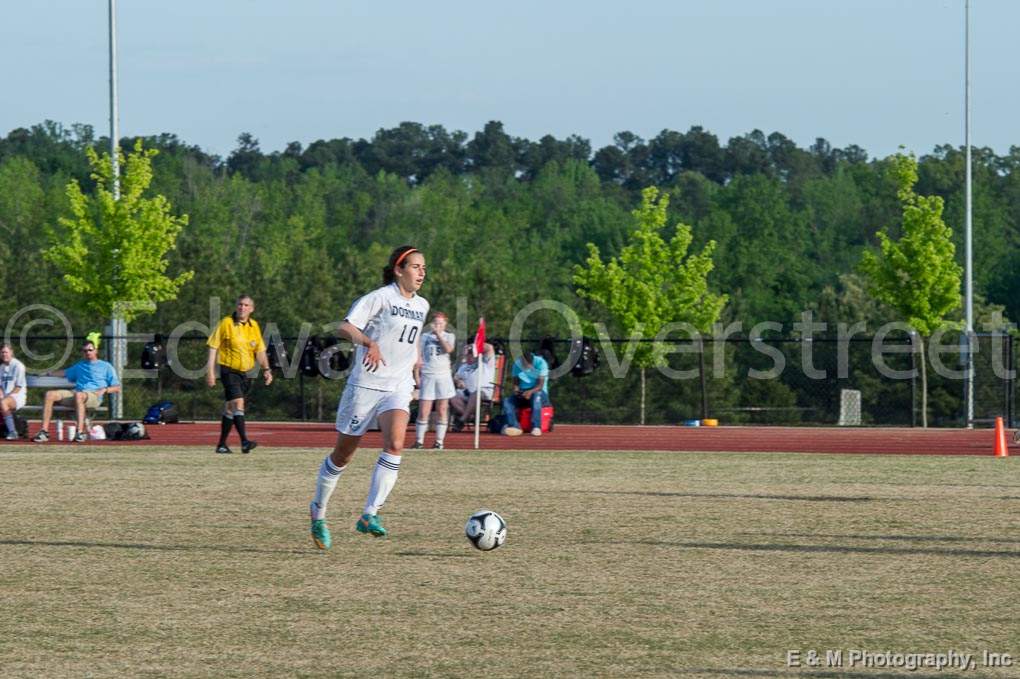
(164, 412)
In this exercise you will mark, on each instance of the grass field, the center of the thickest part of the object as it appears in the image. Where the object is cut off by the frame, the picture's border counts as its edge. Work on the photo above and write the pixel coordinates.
(123, 561)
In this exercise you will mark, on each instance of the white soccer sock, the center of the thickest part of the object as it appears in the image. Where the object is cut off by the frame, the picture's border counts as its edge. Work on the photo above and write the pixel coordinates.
(420, 429)
(383, 477)
(440, 431)
(329, 474)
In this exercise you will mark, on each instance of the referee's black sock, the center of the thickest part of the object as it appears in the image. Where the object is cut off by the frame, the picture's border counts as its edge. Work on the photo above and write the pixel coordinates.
(225, 424)
(239, 423)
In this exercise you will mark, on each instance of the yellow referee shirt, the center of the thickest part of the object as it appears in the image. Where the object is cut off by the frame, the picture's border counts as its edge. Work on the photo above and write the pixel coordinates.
(237, 343)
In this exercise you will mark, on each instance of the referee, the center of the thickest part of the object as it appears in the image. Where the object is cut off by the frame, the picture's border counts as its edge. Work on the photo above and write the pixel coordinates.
(235, 346)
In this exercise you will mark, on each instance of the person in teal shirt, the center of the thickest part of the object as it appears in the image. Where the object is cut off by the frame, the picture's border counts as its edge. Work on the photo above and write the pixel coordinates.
(531, 390)
(93, 378)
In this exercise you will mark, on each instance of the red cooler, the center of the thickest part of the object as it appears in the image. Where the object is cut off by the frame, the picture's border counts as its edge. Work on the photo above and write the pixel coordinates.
(524, 417)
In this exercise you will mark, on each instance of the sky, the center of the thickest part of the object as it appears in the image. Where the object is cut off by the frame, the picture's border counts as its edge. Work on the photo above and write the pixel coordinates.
(877, 73)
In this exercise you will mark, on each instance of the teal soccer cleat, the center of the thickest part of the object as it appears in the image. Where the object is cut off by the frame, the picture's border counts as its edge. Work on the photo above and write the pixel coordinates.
(369, 523)
(320, 534)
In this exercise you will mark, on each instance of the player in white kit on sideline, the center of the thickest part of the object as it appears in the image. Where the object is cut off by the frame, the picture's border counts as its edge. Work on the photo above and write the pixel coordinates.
(385, 325)
(436, 382)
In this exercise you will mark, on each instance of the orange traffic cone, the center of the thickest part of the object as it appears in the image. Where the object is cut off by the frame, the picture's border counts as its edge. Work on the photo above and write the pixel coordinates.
(1000, 439)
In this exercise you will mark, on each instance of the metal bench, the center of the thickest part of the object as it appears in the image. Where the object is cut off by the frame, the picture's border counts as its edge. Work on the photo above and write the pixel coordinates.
(48, 382)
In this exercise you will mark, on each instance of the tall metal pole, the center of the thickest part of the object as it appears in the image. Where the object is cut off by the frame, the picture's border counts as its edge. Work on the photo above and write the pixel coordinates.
(969, 266)
(118, 344)
(114, 132)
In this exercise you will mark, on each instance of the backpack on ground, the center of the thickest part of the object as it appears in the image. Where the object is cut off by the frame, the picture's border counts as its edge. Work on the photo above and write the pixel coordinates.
(114, 431)
(20, 426)
(497, 423)
(134, 431)
(125, 431)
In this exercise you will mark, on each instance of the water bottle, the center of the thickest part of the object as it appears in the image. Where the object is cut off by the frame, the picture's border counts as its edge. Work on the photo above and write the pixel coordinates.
(60, 430)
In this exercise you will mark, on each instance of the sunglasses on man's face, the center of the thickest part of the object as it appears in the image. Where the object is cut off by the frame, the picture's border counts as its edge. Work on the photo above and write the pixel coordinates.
(88, 349)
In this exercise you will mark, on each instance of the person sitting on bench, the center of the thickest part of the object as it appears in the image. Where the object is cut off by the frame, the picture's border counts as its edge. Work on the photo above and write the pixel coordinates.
(92, 379)
(467, 380)
(12, 389)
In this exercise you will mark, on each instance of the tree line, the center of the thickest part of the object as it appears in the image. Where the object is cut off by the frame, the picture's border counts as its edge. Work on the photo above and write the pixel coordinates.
(504, 220)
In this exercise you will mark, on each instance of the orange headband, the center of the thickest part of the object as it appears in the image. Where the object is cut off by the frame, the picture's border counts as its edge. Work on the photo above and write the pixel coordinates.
(401, 257)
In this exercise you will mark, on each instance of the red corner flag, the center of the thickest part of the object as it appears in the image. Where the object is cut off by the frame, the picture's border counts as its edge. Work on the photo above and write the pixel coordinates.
(480, 337)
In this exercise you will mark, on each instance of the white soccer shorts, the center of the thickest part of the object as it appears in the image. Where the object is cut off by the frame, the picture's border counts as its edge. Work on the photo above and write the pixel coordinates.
(486, 393)
(19, 399)
(436, 387)
(360, 406)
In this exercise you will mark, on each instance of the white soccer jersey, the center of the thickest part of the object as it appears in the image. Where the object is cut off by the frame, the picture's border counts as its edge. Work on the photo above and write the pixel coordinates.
(394, 323)
(436, 359)
(12, 375)
(468, 372)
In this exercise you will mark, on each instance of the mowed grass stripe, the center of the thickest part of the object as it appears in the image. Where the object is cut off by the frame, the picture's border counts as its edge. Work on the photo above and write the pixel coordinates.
(161, 562)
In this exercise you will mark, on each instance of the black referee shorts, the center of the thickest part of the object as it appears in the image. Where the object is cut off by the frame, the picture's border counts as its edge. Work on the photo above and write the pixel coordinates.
(235, 384)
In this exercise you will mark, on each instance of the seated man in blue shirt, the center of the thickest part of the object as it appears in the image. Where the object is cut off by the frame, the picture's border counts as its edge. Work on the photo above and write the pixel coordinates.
(531, 390)
(92, 379)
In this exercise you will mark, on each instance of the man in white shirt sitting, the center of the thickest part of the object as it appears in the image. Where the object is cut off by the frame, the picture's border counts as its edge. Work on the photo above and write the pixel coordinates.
(13, 388)
(468, 378)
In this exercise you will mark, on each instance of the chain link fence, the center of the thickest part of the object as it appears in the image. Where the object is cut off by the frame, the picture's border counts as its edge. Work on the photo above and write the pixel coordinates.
(792, 381)
(783, 381)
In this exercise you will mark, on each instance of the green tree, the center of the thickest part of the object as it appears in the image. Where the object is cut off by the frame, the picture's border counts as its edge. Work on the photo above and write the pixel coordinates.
(112, 251)
(764, 249)
(22, 210)
(652, 284)
(917, 275)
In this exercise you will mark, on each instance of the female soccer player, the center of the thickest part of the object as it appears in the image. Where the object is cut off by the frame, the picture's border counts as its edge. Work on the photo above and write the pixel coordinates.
(385, 325)
(436, 383)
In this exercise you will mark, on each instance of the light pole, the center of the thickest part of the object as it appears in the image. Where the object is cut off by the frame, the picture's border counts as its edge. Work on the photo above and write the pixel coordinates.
(114, 133)
(968, 223)
(118, 327)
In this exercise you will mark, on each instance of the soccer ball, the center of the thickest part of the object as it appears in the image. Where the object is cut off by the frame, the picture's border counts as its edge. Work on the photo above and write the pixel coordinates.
(486, 530)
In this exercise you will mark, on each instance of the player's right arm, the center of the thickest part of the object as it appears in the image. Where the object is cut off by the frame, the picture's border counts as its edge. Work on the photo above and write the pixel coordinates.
(360, 314)
(69, 374)
(210, 367)
(441, 338)
(214, 342)
(516, 379)
(373, 357)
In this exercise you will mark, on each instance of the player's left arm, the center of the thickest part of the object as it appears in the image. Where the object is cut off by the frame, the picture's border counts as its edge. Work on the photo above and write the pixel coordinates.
(112, 383)
(543, 375)
(418, 364)
(263, 360)
(261, 356)
(420, 361)
(19, 381)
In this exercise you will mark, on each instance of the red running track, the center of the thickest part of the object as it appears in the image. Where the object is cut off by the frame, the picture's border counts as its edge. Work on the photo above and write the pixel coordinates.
(881, 441)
